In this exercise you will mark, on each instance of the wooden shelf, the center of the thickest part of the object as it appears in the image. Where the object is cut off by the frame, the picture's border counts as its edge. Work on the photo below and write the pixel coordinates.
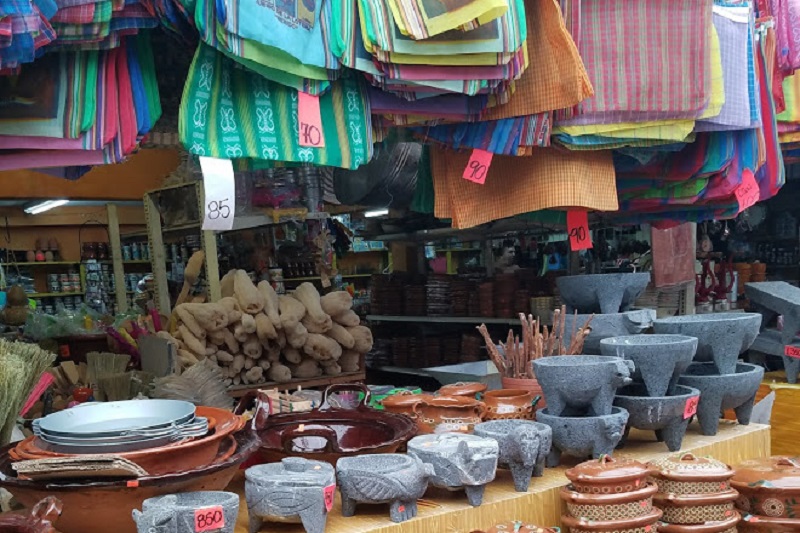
(44, 263)
(317, 278)
(237, 391)
(52, 294)
(444, 319)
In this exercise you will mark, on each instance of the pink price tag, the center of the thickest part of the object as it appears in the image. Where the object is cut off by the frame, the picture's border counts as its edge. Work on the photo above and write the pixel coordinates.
(691, 407)
(747, 193)
(578, 229)
(209, 519)
(310, 118)
(328, 493)
(792, 351)
(478, 166)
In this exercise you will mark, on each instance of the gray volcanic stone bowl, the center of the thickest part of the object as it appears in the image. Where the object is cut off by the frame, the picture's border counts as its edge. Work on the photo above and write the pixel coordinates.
(610, 325)
(659, 359)
(524, 446)
(294, 490)
(393, 478)
(576, 385)
(459, 461)
(601, 293)
(721, 337)
(175, 513)
(665, 415)
(721, 392)
(583, 437)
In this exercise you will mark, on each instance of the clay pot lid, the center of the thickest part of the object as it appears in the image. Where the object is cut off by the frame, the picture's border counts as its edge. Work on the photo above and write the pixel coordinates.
(470, 388)
(776, 472)
(608, 470)
(689, 467)
(451, 401)
(405, 399)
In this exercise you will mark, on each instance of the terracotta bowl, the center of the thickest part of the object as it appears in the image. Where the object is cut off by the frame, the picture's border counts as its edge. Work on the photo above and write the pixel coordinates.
(697, 509)
(328, 433)
(449, 414)
(631, 525)
(504, 404)
(105, 506)
(177, 457)
(403, 403)
(471, 389)
(725, 526)
(769, 487)
(768, 524)
(518, 527)
(624, 506)
(608, 476)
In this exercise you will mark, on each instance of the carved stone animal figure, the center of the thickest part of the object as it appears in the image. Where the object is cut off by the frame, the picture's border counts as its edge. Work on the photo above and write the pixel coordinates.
(524, 446)
(583, 437)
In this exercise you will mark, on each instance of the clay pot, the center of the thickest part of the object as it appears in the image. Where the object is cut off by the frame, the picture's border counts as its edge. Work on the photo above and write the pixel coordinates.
(631, 525)
(769, 487)
(529, 384)
(30, 256)
(448, 414)
(505, 404)
(766, 524)
(469, 389)
(106, 506)
(177, 457)
(617, 506)
(403, 403)
(726, 526)
(608, 475)
(684, 474)
(696, 509)
(49, 257)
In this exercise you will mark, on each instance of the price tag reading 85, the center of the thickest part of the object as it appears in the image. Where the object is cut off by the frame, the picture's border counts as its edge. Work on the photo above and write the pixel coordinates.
(209, 519)
(220, 193)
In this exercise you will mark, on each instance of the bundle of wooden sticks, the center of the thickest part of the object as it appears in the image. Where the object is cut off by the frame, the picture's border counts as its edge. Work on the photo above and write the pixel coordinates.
(536, 341)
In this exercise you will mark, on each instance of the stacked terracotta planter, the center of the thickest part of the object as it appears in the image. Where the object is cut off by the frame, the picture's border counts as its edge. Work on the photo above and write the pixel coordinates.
(610, 495)
(769, 495)
(695, 495)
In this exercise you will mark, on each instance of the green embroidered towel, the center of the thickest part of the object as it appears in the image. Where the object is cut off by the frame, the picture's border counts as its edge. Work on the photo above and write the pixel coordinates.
(233, 113)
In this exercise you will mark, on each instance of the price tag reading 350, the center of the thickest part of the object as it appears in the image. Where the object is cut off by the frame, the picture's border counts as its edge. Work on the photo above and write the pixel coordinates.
(578, 229)
(209, 519)
(310, 118)
(792, 351)
(220, 193)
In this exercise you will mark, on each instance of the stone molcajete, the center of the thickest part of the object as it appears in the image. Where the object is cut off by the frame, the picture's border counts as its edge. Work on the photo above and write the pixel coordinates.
(601, 293)
(178, 513)
(719, 393)
(773, 298)
(524, 447)
(579, 385)
(611, 325)
(668, 416)
(393, 478)
(659, 359)
(721, 337)
(294, 490)
(459, 461)
(583, 437)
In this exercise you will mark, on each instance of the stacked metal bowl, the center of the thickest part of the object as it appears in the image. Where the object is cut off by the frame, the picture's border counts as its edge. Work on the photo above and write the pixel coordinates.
(116, 427)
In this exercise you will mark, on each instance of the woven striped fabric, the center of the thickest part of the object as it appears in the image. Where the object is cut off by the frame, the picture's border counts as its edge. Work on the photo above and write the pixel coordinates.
(422, 19)
(75, 15)
(505, 136)
(234, 113)
(654, 69)
(515, 185)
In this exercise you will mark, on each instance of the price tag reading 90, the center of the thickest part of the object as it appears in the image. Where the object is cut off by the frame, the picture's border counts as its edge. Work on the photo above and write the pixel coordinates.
(478, 166)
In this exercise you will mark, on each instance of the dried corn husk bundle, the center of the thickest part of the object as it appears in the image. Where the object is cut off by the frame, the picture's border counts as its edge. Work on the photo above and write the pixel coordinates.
(21, 366)
(537, 341)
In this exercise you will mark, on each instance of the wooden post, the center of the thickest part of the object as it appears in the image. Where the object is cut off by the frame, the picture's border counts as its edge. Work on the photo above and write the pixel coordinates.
(209, 240)
(158, 258)
(116, 258)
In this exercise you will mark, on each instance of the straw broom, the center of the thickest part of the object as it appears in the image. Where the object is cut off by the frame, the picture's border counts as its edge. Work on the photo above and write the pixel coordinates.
(21, 366)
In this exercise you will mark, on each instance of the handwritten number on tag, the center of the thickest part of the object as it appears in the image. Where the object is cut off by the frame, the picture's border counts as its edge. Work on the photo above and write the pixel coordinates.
(478, 166)
(578, 230)
(209, 519)
(310, 118)
(691, 407)
(792, 351)
(747, 193)
(218, 209)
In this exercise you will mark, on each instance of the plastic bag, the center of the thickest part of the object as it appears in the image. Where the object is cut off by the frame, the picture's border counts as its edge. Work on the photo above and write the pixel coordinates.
(40, 520)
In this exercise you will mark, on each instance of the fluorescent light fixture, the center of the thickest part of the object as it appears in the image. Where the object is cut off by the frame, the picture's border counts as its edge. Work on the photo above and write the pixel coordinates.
(47, 205)
(376, 213)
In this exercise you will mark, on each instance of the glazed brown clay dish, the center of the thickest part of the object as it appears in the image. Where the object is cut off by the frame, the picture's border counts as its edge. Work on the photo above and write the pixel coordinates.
(506, 404)
(103, 507)
(176, 457)
(766, 524)
(609, 475)
(769, 488)
(631, 525)
(328, 433)
(725, 526)
(403, 403)
(470, 389)
(614, 506)
(449, 414)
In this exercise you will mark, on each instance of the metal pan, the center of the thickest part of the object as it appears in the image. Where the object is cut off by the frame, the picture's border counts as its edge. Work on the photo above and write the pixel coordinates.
(112, 418)
(197, 425)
